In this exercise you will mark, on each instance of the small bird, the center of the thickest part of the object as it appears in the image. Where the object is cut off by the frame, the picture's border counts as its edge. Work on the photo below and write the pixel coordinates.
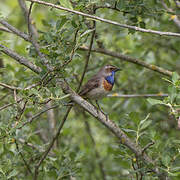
(100, 84)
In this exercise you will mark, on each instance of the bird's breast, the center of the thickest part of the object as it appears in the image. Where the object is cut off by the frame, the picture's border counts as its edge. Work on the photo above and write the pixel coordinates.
(107, 86)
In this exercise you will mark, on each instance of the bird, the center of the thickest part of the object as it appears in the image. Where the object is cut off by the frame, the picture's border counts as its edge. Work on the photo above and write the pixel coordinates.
(99, 85)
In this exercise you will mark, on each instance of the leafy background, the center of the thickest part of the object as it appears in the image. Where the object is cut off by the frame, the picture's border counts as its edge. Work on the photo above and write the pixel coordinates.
(85, 148)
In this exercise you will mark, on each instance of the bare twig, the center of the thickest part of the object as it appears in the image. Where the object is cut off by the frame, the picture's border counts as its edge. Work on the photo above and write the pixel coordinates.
(18, 88)
(5, 29)
(147, 146)
(26, 164)
(26, 13)
(12, 29)
(73, 50)
(20, 59)
(5, 106)
(51, 119)
(88, 56)
(30, 145)
(133, 165)
(130, 59)
(10, 87)
(33, 33)
(106, 20)
(136, 95)
(30, 120)
(51, 144)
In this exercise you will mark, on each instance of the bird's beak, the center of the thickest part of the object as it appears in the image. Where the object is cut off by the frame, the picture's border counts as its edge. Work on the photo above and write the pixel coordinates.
(118, 69)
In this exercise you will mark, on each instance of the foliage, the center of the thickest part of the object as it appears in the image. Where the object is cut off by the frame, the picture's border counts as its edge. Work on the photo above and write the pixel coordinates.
(85, 149)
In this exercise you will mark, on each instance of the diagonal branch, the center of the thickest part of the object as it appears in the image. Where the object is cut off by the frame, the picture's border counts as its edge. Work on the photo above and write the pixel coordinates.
(33, 33)
(14, 30)
(20, 59)
(52, 143)
(106, 20)
(124, 139)
(88, 55)
(130, 59)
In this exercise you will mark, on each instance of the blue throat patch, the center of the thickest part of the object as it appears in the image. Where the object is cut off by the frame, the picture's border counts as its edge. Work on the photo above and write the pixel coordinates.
(110, 79)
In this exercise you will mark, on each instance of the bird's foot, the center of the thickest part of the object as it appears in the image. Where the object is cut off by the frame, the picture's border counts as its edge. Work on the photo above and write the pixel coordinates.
(99, 109)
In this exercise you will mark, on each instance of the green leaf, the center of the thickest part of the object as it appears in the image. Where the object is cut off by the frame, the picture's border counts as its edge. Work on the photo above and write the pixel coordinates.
(134, 116)
(66, 3)
(145, 125)
(61, 22)
(12, 174)
(154, 101)
(175, 77)
(142, 122)
(87, 32)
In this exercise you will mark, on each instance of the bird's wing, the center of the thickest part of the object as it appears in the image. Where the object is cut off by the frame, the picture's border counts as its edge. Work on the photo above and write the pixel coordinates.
(91, 84)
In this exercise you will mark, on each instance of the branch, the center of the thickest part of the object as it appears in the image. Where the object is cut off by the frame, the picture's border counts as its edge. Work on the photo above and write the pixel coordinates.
(88, 55)
(30, 120)
(5, 29)
(5, 106)
(10, 87)
(106, 20)
(124, 139)
(174, 17)
(20, 59)
(136, 95)
(130, 59)
(33, 33)
(51, 144)
(12, 29)
(27, 18)
(26, 164)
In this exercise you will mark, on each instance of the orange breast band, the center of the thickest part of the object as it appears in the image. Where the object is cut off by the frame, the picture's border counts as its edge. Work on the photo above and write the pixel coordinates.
(107, 86)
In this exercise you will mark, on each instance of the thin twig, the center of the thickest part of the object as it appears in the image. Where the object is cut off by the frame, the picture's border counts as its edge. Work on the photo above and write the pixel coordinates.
(5, 29)
(18, 88)
(26, 164)
(106, 20)
(147, 146)
(20, 59)
(7, 105)
(10, 87)
(88, 56)
(73, 49)
(133, 165)
(136, 95)
(30, 145)
(30, 120)
(51, 143)
(33, 37)
(12, 29)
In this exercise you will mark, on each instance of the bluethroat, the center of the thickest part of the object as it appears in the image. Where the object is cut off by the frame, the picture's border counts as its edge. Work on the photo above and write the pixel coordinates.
(100, 84)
